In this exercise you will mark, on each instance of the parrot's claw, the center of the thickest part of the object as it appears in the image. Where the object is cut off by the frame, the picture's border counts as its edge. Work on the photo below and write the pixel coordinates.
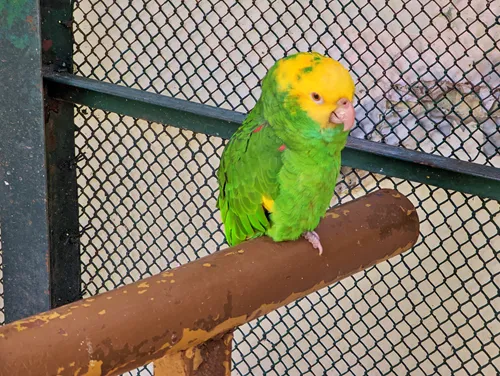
(313, 238)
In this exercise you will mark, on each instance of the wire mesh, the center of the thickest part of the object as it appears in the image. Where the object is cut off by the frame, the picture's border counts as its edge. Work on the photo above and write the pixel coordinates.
(427, 79)
(147, 202)
(427, 71)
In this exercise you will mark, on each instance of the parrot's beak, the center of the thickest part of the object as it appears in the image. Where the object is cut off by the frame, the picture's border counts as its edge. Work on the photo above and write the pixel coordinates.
(344, 114)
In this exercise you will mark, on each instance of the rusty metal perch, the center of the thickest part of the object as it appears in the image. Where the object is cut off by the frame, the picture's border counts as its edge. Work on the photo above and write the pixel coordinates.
(178, 310)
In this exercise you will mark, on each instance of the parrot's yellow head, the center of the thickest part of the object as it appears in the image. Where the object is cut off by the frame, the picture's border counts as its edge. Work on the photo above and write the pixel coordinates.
(318, 85)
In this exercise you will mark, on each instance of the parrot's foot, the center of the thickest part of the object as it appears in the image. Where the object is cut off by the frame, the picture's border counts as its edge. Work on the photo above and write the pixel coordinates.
(313, 238)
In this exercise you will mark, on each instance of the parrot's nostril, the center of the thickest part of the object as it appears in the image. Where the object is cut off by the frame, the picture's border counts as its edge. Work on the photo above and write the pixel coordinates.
(343, 102)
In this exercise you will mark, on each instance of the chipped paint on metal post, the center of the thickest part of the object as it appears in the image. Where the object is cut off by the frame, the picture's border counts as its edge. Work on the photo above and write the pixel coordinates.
(23, 176)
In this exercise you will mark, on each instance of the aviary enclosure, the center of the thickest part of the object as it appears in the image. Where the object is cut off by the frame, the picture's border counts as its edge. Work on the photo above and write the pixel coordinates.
(120, 184)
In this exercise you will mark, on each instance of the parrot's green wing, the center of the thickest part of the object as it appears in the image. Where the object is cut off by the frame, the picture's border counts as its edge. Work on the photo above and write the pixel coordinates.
(248, 176)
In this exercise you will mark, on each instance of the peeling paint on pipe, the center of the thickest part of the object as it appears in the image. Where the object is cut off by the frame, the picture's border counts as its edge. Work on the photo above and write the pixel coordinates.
(181, 308)
(211, 358)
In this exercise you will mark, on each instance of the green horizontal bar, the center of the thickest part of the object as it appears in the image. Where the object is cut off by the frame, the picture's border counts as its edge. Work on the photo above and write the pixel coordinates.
(447, 173)
(143, 105)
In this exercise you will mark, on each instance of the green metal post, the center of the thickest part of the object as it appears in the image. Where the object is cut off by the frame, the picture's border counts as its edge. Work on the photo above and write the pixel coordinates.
(38, 207)
(57, 55)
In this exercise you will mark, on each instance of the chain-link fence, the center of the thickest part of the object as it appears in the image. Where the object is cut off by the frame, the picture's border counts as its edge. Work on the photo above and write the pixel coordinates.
(148, 202)
(426, 71)
(427, 79)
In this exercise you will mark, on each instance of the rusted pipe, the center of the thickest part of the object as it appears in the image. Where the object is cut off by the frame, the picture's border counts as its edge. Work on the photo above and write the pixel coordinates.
(211, 358)
(178, 309)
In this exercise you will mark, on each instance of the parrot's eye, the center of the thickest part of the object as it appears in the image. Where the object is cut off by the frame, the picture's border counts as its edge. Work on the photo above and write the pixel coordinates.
(316, 98)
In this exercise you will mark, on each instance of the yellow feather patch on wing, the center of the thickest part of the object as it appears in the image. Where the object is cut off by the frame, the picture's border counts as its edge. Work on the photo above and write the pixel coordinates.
(268, 203)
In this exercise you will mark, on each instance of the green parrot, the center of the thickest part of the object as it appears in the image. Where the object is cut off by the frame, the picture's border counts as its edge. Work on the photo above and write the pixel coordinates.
(278, 172)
